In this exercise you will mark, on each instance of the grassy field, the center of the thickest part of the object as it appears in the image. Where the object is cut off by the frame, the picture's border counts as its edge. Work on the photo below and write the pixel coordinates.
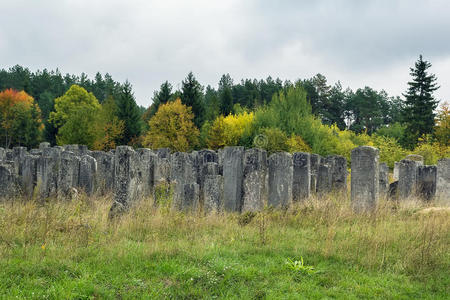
(69, 250)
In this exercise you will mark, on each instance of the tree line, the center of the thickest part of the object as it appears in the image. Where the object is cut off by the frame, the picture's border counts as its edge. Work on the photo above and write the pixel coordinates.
(305, 115)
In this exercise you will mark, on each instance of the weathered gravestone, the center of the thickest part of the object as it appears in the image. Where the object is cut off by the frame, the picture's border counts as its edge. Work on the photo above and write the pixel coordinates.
(8, 180)
(127, 187)
(48, 170)
(384, 179)
(301, 188)
(338, 169)
(323, 185)
(88, 170)
(191, 197)
(147, 161)
(182, 172)
(18, 158)
(426, 182)
(315, 163)
(105, 171)
(254, 184)
(213, 193)
(280, 180)
(443, 181)
(364, 178)
(407, 178)
(29, 175)
(233, 171)
(68, 174)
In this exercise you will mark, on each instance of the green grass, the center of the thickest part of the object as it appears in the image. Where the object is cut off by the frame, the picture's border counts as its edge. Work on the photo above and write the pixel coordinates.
(60, 250)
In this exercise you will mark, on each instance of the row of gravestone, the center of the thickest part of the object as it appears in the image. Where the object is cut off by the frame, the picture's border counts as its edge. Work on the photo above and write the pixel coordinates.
(370, 179)
(231, 179)
(54, 171)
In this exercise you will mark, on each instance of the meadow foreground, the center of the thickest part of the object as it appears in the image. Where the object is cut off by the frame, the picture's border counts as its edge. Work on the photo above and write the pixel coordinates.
(320, 249)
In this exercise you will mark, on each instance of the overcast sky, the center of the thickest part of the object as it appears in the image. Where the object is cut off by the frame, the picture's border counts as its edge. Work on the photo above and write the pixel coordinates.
(360, 43)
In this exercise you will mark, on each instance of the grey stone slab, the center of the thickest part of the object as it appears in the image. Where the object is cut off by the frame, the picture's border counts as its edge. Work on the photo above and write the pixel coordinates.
(87, 175)
(254, 184)
(323, 185)
(280, 180)
(383, 179)
(315, 163)
(426, 182)
(213, 194)
(338, 165)
(407, 178)
(443, 181)
(233, 176)
(365, 178)
(301, 188)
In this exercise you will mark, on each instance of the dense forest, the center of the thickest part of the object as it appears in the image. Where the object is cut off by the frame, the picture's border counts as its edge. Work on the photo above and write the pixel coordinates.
(306, 115)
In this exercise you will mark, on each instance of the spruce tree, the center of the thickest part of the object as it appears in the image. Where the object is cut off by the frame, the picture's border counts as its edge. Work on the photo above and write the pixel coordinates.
(129, 112)
(225, 95)
(418, 112)
(192, 95)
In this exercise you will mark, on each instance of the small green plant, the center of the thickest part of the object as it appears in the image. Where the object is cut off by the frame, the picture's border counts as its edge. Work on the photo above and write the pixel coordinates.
(298, 266)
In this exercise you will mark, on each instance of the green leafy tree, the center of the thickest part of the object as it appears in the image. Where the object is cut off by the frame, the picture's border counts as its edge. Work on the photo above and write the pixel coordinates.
(418, 112)
(191, 95)
(74, 114)
(129, 112)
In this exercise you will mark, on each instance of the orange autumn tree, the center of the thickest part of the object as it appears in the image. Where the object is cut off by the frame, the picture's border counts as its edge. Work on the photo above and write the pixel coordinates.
(20, 119)
(172, 127)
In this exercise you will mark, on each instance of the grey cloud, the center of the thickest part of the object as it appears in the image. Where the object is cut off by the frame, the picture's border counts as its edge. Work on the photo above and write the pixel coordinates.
(358, 42)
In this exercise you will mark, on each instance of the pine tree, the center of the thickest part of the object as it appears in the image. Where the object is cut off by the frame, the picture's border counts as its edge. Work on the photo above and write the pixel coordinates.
(225, 95)
(191, 95)
(129, 112)
(418, 113)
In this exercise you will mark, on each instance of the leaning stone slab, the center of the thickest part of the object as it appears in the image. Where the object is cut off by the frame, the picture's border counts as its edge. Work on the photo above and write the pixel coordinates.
(364, 179)
(254, 184)
(338, 165)
(443, 181)
(301, 188)
(383, 179)
(88, 170)
(315, 163)
(407, 178)
(280, 180)
(426, 182)
(213, 194)
(233, 172)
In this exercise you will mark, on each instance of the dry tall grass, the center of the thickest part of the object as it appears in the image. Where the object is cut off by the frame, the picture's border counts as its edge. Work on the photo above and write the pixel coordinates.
(405, 237)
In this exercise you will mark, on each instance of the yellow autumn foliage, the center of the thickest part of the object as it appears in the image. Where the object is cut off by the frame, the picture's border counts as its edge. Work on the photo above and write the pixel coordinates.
(172, 127)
